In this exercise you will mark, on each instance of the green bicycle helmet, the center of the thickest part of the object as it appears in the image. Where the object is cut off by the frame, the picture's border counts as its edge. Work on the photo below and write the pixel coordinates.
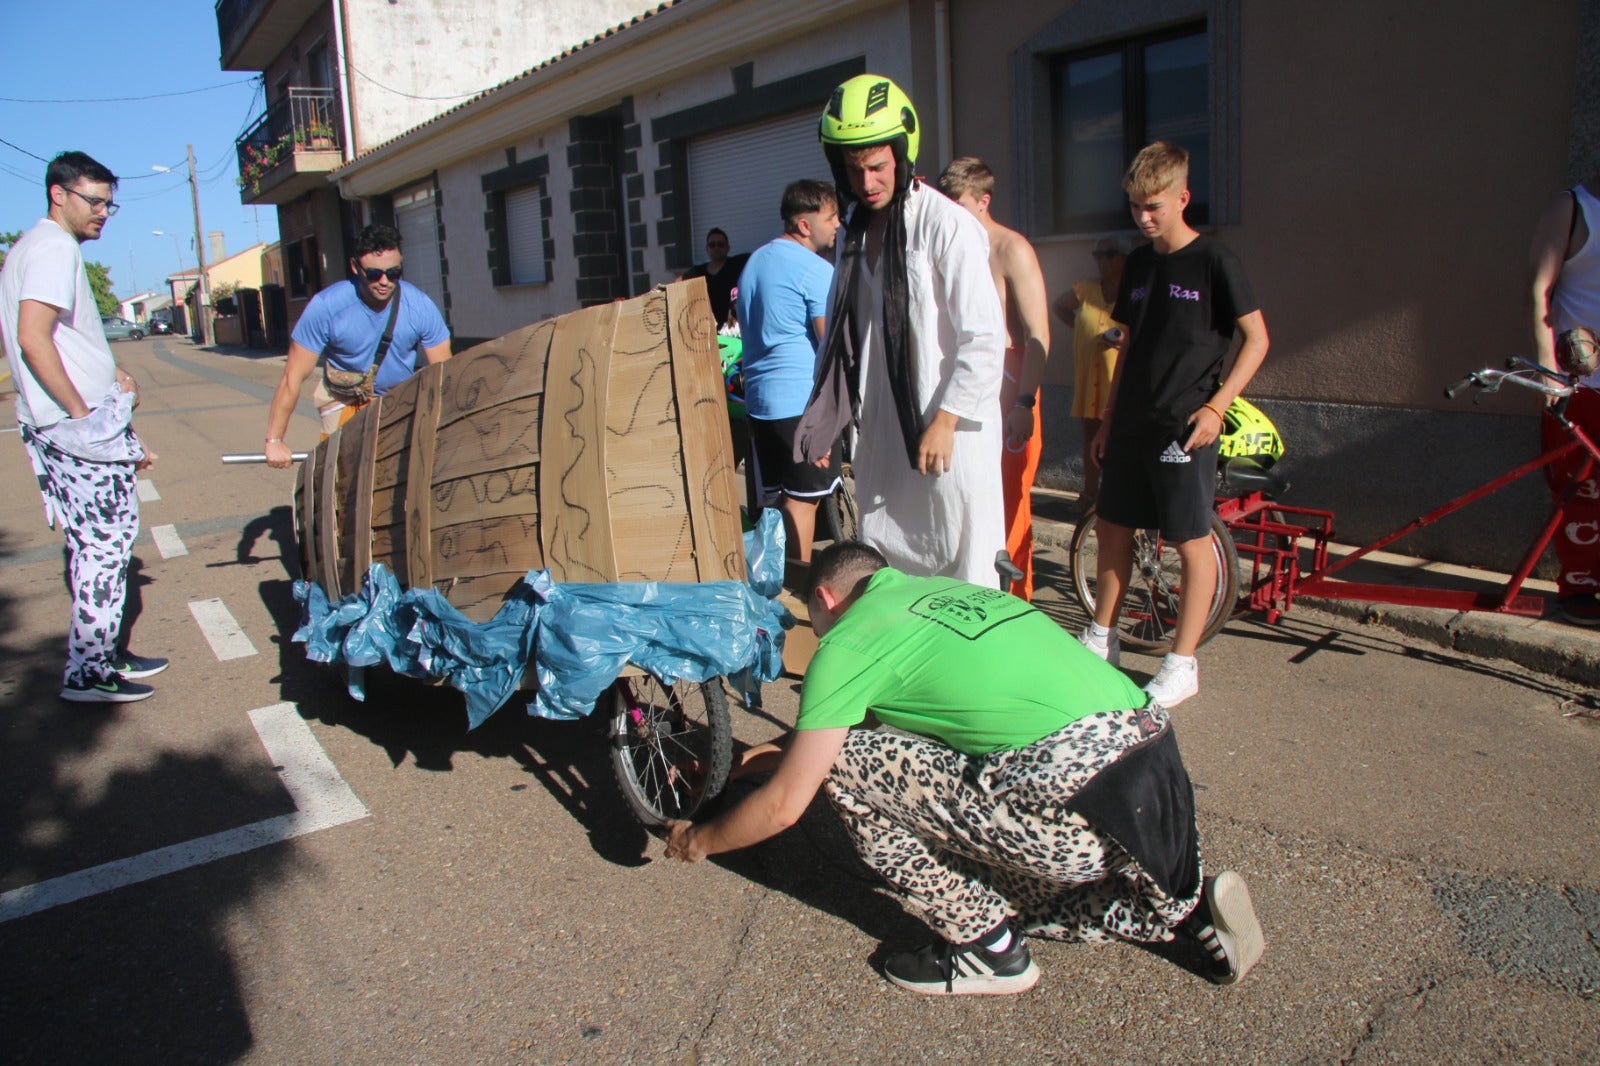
(865, 111)
(1247, 433)
(870, 109)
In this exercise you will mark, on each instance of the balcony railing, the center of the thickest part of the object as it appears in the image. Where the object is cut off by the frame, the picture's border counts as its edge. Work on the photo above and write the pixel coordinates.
(307, 120)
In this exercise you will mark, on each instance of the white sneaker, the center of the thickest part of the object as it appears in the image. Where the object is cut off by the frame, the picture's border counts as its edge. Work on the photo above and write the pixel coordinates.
(1108, 647)
(1176, 681)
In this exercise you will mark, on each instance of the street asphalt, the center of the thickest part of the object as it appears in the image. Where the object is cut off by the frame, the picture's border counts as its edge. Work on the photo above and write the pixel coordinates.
(1413, 809)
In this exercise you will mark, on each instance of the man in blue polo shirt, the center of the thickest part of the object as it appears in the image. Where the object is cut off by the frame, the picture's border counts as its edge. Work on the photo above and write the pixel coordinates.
(344, 327)
(783, 306)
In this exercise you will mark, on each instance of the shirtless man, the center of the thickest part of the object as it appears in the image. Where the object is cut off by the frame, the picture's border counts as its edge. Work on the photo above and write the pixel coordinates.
(969, 182)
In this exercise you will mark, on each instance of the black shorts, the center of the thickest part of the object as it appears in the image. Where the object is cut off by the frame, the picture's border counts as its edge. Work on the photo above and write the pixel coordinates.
(772, 450)
(1149, 482)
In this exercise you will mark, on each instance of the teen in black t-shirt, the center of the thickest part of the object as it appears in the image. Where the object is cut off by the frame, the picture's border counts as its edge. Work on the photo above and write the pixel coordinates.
(1182, 297)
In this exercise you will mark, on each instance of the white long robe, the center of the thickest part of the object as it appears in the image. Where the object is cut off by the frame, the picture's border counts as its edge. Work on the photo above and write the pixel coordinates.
(951, 524)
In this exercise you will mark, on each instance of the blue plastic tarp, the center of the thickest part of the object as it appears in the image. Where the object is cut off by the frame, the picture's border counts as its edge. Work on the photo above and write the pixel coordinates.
(577, 637)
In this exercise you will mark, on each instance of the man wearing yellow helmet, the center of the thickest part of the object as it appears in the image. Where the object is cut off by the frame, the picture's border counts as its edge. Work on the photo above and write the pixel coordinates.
(914, 351)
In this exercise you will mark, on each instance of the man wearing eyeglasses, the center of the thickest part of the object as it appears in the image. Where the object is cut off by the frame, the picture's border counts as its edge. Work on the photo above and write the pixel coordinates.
(366, 342)
(75, 414)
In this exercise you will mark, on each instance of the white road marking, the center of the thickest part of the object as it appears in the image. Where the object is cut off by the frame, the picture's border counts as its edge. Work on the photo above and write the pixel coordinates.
(321, 797)
(227, 640)
(168, 543)
(147, 491)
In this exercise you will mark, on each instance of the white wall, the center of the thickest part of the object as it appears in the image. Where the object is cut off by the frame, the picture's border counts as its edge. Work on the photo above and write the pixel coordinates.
(480, 309)
(455, 49)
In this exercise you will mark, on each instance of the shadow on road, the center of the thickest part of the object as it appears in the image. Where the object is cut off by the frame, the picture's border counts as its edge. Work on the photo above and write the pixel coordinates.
(143, 973)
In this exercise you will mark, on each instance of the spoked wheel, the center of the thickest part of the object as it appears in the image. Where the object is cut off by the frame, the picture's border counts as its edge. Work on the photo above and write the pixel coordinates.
(671, 747)
(1150, 608)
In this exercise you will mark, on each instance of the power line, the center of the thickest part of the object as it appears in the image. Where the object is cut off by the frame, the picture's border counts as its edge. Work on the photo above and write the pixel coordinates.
(414, 96)
(24, 151)
(126, 99)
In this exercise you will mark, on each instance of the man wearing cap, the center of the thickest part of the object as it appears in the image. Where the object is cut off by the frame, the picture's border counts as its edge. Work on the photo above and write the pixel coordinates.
(914, 351)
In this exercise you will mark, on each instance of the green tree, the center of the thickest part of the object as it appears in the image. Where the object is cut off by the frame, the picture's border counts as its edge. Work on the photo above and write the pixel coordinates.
(100, 282)
(99, 276)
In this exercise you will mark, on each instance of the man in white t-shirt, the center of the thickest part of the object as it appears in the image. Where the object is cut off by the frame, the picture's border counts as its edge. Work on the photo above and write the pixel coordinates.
(74, 409)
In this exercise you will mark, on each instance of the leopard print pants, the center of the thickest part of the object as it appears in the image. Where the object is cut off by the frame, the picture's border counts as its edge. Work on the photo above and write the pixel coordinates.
(971, 841)
(98, 506)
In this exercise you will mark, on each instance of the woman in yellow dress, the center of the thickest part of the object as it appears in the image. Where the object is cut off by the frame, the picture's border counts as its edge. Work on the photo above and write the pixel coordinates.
(1087, 306)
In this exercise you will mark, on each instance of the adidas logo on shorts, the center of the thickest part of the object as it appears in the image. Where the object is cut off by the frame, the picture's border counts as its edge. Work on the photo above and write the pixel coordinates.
(1174, 454)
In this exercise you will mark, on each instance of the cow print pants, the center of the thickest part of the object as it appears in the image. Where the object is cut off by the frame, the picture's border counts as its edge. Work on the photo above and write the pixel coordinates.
(98, 506)
(969, 842)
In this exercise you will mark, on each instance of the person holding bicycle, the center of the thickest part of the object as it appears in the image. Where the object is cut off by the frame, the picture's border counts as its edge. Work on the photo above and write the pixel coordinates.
(1566, 306)
(1183, 297)
(1024, 788)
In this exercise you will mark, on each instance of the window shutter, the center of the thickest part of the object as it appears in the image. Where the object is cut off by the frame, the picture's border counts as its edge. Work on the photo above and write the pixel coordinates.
(525, 234)
(737, 178)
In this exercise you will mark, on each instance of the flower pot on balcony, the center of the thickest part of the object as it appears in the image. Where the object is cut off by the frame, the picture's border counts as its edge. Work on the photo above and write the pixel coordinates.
(320, 144)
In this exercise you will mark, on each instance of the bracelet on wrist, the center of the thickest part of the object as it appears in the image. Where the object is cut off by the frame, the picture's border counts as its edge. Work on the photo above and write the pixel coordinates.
(1209, 406)
(1027, 401)
(274, 440)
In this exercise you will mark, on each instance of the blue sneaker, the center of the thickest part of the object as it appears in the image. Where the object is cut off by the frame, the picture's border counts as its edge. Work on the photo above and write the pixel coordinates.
(114, 689)
(134, 667)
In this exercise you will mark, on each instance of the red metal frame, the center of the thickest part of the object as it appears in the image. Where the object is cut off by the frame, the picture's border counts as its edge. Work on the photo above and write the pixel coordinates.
(1264, 531)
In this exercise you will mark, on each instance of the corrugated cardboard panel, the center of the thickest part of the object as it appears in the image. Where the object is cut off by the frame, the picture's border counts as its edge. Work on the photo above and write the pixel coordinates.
(328, 516)
(644, 470)
(576, 527)
(496, 372)
(361, 512)
(419, 477)
(707, 444)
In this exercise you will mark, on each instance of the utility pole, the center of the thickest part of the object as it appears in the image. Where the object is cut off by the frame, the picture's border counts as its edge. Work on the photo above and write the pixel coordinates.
(203, 292)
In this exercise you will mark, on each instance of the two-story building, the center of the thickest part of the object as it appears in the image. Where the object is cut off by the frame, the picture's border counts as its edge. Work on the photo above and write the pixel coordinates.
(1377, 167)
(341, 76)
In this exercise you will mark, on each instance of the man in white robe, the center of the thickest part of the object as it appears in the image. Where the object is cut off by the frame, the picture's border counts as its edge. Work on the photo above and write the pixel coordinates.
(915, 349)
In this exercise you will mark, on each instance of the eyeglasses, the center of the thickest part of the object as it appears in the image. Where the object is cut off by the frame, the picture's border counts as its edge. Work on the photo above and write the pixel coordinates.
(97, 202)
(374, 275)
(1110, 254)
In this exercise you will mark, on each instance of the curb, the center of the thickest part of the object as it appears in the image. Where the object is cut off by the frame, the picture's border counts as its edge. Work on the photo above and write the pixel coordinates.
(1553, 648)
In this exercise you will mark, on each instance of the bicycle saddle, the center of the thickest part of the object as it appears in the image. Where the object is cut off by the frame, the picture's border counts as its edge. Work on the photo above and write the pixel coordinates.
(1242, 475)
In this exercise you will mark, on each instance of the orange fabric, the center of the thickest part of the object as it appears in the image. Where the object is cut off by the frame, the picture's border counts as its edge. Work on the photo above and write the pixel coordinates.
(1017, 470)
(346, 415)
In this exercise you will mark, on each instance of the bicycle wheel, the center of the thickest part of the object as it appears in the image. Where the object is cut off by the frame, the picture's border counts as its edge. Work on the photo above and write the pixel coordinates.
(1150, 607)
(836, 515)
(671, 747)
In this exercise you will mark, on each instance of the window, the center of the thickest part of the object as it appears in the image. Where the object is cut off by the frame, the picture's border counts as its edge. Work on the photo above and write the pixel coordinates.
(517, 218)
(525, 235)
(1109, 101)
(416, 216)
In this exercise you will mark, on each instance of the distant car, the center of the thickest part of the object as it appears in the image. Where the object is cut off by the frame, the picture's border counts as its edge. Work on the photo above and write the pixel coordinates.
(160, 325)
(121, 329)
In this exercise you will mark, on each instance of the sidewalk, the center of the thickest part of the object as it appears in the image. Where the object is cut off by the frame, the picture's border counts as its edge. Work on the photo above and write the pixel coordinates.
(1541, 644)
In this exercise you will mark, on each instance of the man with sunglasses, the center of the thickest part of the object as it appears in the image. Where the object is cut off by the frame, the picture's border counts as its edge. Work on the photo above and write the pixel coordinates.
(344, 327)
(75, 414)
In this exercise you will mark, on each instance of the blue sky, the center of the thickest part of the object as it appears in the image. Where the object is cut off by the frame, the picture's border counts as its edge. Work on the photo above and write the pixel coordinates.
(96, 49)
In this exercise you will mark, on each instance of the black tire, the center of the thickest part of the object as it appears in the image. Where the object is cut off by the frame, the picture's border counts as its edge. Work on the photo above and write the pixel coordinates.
(1150, 608)
(136, 335)
(656, 731)
(836, 515)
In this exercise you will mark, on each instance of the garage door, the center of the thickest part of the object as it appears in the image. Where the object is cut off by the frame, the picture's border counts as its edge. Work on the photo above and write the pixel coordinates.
(737, 177)
(417, 221)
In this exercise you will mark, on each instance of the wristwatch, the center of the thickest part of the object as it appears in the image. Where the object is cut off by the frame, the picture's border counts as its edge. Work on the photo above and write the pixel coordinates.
(1028, 400)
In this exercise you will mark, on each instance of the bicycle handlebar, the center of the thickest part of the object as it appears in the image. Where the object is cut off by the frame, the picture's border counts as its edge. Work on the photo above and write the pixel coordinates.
(1490, 379)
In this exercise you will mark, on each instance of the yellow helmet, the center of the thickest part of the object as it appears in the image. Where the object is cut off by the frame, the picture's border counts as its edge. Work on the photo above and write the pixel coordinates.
(870, 109)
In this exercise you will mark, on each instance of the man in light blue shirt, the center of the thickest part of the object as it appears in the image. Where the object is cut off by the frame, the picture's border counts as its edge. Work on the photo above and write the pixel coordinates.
(343, 327)
(782, 306)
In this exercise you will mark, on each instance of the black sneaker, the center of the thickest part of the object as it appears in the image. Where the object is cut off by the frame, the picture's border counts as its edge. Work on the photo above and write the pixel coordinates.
(114, 689)
(946, 969)
(133, 666)
(1225, 924)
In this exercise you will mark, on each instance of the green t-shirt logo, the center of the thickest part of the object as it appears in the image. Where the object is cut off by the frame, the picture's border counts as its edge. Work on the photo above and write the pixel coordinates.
(969, 612)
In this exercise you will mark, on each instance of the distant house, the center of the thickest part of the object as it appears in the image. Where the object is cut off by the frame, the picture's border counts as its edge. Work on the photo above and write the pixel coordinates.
(137, 308)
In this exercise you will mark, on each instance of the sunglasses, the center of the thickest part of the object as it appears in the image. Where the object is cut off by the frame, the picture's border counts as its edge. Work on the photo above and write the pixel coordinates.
(374, 275)
(1111, 254)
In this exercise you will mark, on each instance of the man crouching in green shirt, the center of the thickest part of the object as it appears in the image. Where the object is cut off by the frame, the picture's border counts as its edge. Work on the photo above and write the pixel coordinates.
(1026, 788)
